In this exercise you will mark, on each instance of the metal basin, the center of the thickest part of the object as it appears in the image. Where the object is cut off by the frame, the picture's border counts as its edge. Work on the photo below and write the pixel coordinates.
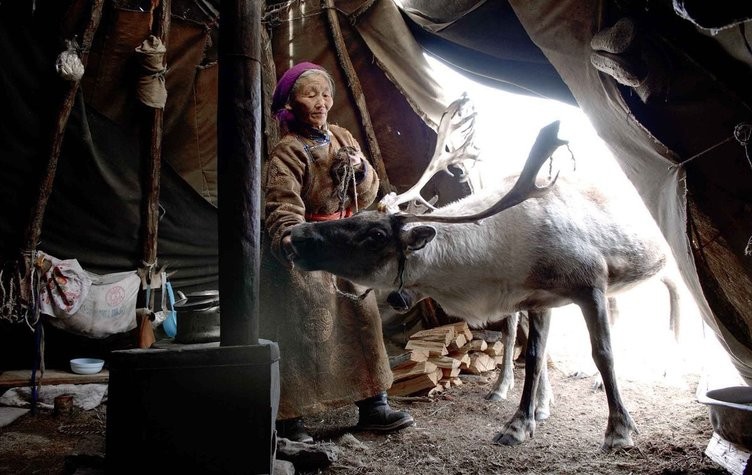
(731, 413)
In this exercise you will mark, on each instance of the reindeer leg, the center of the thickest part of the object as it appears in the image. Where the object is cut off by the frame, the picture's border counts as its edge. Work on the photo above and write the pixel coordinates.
(620, 424)
(522, 424)
(544, 394)
(505, 380)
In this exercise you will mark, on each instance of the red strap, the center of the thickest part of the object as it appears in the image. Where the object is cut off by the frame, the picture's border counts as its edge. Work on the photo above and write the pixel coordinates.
(346, 213)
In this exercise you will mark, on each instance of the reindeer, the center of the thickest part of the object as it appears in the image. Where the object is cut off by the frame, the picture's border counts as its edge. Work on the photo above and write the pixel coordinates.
(531, 248)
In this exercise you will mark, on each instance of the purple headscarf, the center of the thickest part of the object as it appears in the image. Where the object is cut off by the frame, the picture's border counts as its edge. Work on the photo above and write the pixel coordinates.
(283, 89)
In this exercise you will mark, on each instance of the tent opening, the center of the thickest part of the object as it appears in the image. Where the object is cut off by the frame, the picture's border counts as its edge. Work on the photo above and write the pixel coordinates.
(645, 348)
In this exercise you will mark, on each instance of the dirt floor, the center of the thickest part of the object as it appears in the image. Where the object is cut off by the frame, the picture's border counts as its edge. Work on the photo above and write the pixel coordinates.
(452, 435)
(454, 430)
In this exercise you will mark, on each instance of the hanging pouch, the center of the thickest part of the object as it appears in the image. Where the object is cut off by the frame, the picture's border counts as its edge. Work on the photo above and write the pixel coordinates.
(170, 324)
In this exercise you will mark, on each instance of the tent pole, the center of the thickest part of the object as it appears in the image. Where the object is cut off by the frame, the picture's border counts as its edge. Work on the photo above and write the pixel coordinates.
(357, 93)
(239, 169)
(144, 334)
(22, 282)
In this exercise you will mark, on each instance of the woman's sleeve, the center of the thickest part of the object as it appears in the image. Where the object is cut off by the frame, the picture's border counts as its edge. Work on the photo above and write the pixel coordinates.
(284, 208)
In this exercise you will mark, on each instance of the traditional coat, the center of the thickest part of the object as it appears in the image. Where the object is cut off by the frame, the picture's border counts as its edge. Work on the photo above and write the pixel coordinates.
(331, 347)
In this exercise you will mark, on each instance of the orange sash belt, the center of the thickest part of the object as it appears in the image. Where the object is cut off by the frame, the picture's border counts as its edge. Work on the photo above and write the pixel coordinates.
(346, 213)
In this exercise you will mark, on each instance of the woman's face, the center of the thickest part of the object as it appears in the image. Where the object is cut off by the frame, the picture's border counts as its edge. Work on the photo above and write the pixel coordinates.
(312, 99)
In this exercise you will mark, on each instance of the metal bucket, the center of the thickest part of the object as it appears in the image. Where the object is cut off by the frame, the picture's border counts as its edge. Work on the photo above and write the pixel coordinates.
(198, 317)
(731, 413)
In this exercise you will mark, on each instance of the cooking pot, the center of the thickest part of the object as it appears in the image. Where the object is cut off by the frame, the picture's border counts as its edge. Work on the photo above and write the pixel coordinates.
(197, 317)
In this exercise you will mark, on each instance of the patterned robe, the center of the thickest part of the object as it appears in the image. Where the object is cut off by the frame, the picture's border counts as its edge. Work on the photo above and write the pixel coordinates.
(331, 347)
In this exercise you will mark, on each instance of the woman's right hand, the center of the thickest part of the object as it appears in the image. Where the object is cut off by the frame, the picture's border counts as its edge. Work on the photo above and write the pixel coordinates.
(287, 248)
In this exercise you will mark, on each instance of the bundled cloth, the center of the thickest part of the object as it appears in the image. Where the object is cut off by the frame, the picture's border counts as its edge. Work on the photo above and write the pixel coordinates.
(85, 303)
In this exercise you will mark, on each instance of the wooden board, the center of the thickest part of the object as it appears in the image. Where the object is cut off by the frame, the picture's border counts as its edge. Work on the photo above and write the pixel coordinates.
(22, 377)
(414, 370)
(730, 456)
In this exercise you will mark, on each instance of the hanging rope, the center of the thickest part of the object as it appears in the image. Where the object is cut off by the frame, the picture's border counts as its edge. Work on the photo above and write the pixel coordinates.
(741, 134)
(344, 176)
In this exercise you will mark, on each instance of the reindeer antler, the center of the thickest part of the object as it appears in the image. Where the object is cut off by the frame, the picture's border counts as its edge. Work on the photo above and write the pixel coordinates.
(545, 145)
(454, 145)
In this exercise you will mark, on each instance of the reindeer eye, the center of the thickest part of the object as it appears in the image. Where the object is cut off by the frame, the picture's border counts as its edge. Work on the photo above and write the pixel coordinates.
(375, 239)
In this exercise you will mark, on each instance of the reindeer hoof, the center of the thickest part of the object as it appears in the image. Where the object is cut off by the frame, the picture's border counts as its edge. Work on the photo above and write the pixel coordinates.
(615, 443)
(517, 430)
(495, 396)
(503, 438)
(579, 375)
(542, 414)
(619, 433)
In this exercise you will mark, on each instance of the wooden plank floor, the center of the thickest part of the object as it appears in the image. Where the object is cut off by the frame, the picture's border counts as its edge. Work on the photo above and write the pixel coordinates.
(22, 377)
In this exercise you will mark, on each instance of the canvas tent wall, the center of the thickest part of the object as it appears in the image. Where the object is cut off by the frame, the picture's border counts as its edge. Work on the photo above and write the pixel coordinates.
(678, 148)
(681, 136)
(94, 209)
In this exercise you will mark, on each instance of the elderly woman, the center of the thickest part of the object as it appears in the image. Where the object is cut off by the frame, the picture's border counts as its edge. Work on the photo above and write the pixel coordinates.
(331, 344)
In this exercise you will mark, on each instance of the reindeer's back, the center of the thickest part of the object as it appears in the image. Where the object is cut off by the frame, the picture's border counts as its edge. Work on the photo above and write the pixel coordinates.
(576, 235)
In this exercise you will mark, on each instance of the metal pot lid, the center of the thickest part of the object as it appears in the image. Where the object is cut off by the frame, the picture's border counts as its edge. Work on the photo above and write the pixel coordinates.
(196, 304)
(203, 293)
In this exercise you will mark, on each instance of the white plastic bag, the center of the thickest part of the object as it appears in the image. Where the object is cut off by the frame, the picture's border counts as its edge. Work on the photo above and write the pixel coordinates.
(109, 306)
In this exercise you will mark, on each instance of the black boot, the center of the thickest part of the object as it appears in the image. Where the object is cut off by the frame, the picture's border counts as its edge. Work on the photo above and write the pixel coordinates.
(375, 414)
(293, 429)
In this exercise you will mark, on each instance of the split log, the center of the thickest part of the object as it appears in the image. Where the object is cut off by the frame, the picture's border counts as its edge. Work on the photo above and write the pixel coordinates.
(433, 347)
(463, 357)
(457, 342)
(494, 349)
(416, 384)
(414, 370)
(478, 345)
(444, 334)
(481, 363)
(445, 361)
(463, 328)
(407, 359)
(451, 372)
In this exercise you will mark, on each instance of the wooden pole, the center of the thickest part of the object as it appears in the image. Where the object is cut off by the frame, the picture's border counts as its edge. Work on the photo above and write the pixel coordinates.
(35, 223)
(239, 169)
(144, 333)
(160, 29)
(23, 282)
(360, 101)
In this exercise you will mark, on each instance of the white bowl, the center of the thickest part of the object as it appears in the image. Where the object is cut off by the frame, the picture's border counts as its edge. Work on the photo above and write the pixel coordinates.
(86, 365)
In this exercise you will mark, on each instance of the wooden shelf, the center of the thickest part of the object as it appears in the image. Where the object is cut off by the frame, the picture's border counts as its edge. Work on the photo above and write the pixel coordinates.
(22, 377)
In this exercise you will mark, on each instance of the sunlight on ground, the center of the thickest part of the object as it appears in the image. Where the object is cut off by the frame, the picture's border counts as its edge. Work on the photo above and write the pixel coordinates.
(644, 347)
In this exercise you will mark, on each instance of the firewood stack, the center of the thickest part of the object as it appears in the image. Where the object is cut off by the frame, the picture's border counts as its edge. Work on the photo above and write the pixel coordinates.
(436, 357)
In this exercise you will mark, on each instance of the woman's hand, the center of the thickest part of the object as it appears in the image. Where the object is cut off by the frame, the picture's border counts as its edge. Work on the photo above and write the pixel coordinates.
(288, 250)
(355, 159)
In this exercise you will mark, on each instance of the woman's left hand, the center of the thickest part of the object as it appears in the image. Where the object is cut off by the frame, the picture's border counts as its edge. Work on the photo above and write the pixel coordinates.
(355, 159)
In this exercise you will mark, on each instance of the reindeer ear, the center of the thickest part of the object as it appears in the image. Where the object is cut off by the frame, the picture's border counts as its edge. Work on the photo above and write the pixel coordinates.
(417, 237)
